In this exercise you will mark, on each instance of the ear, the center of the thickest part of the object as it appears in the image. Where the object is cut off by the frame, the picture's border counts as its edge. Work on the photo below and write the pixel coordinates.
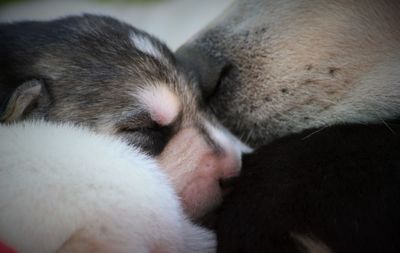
(21, 101)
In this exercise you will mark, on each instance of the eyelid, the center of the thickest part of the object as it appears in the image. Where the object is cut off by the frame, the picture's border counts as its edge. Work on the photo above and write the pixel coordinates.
(138, 127)
(136, 122)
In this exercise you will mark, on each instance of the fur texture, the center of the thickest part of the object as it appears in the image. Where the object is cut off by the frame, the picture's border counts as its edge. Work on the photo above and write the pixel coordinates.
(66, 188)
(117, 80)
(335, 190)
(270, 68)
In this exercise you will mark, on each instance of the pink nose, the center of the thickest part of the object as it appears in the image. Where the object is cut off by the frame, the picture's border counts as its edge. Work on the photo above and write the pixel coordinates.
(213, 177)
(200, 172)
(230, 170)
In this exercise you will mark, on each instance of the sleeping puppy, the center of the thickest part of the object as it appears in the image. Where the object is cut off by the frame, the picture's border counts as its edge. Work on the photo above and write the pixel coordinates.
(67, 189)
(269, 68)
(116, 80)
(337, 190)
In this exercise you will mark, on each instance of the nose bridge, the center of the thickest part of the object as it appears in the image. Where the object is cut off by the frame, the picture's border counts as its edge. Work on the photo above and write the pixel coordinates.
(214, 144)
(218, 138)
(227, 148)
(224, 140)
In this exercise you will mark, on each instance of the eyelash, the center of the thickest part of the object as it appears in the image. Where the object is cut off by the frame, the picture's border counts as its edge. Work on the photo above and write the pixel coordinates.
(136, 129)
(156, 137)
(145, 127)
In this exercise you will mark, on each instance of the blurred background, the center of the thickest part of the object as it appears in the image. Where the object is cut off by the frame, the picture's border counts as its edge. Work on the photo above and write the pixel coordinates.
(173, 21)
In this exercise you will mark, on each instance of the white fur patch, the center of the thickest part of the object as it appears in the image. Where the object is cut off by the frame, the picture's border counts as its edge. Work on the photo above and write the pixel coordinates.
(56, 180)
(163, 105)
(145, 45)
(226, 139)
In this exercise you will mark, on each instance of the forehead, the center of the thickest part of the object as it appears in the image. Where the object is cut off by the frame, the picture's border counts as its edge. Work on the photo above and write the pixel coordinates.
(126, 71)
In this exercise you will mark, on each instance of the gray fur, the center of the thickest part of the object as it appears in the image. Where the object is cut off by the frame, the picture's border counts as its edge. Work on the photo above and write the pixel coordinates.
(89, 68)
(281, 66)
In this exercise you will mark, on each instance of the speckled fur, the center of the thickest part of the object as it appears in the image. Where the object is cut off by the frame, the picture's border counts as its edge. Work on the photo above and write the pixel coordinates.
(292, 65)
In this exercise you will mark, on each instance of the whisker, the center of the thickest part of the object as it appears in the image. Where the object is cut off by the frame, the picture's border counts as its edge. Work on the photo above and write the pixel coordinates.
(315, 132)
(387, 126)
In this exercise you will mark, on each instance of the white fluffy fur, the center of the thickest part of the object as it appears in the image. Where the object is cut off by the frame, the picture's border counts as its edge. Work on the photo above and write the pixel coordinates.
(57, 181)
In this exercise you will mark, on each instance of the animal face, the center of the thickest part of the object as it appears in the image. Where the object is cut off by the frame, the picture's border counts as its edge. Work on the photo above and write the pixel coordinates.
(270, 68)
(117, 80)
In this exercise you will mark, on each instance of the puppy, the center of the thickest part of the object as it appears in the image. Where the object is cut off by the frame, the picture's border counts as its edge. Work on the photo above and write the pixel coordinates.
(270, 68)
(337, 190)
(115, 80)
(67, 189)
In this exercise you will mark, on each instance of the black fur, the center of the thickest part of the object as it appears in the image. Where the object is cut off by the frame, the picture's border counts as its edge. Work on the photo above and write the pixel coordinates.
(339, 186)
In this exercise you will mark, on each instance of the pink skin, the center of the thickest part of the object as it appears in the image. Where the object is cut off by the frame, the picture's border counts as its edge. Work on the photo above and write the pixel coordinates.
(195, 169)
(194, 166)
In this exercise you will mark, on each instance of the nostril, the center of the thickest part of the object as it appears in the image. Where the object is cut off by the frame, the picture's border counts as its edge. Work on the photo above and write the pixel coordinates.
(226, 183)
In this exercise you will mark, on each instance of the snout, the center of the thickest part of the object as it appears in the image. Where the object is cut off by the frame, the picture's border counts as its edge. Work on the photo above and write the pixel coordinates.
(201, 167)
(209, 181)
(230, 160)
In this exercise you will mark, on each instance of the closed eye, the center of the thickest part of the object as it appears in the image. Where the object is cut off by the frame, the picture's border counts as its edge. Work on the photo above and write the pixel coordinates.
(142, 132)
(137, 122)
(142, 129)
(150, 140)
